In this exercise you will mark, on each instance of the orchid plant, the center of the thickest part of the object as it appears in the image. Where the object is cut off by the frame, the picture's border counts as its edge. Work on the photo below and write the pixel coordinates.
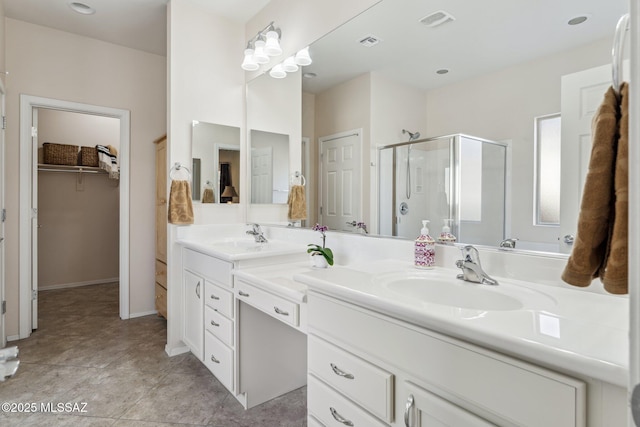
(321, 250)
(362, 226)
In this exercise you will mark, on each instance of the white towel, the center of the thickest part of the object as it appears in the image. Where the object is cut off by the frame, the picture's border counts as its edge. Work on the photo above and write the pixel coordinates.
(108, 162)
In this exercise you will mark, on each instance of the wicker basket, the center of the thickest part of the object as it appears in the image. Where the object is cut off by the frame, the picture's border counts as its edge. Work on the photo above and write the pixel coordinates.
(89, 156)
(60, 154)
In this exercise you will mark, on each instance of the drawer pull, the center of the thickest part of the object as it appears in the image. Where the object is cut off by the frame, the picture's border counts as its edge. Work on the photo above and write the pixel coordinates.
(214, 323)
(339, 418)
(214, 360)
(198, 290)
(277, 310)
(407, 411)
(214, 297)
(243, 294)
(340, 372)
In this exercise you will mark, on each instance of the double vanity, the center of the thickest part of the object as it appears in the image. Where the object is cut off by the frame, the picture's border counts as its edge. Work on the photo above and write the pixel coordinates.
(380, 343)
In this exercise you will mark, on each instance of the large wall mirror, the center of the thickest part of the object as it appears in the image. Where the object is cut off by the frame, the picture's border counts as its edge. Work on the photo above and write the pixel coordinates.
(494, 70)
(215, 152)
(274, 144)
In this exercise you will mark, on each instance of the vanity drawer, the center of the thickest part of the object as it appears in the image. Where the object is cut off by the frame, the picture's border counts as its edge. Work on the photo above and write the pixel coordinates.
(219, 326)
(221, 300)
(332, 409)
(219, 359)
(271, 304)
(161, 273)
(211, 268)
(361, 381)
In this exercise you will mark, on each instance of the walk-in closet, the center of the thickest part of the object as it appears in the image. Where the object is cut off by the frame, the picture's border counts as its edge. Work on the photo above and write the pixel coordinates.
(78, 199)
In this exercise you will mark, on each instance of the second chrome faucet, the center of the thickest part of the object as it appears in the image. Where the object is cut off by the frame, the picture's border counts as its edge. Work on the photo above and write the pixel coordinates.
(471, 269)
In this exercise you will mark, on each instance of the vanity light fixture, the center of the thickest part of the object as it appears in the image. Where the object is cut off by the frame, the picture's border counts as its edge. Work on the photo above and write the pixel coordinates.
(303, 58)
(290, 65)
(264, 45)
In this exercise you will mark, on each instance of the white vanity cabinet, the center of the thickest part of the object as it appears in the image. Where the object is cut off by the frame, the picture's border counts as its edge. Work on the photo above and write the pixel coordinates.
(209, 327)
(366, 364)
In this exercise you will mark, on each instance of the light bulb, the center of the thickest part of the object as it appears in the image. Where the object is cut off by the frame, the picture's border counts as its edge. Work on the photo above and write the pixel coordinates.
(249, 64)
(272, 47)
(278, 72)
(259, 56)
(290, 65)
(303, 58)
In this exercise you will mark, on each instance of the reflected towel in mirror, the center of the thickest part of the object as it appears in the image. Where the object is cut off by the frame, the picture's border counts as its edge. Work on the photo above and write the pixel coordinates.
(207, 196)
(180, 205)
(297, 203)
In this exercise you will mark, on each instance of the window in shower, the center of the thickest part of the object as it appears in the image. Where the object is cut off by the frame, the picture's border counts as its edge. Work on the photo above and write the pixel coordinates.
(547, 180)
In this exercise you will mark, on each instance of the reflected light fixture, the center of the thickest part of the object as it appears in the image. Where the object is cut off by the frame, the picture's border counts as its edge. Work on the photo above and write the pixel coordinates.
(278, 72)
(290, 65)
(303, 58)
(229, 191)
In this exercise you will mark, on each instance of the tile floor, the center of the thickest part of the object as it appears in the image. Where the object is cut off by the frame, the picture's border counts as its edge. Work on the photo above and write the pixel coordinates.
(83, 353)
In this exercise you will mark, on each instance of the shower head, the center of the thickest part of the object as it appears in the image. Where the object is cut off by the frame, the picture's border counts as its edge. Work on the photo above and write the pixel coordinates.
(412, 135)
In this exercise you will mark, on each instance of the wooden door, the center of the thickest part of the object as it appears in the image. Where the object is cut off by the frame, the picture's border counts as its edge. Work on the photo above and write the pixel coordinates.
(161, 199)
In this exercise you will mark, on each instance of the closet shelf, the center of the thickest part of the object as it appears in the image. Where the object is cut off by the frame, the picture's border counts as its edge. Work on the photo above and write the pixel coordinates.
(74, 169)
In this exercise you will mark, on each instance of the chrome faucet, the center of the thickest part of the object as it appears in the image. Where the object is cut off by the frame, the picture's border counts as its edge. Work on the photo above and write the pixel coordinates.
(508, 244)
(471, 269)
(256, 232)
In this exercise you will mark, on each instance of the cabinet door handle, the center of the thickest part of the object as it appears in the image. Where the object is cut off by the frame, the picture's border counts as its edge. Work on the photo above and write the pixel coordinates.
(277, 310)
(215, 324)
(243, 294)
(407, 411)
(339, 418)
(198, 290)
(214, 360)
(340, 372)
(214, 297)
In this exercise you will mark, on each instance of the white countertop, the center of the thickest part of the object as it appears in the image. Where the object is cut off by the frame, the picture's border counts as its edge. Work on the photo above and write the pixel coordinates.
(569, 329)
(234, 249)
(278, 279)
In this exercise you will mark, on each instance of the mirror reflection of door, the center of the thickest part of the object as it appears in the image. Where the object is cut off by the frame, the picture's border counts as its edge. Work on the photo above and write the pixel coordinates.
(261, 175)
(341, 182)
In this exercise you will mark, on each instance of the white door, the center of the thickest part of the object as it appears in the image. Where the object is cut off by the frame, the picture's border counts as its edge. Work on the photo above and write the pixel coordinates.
(341, 191)
(582, 94)
(262, 175)
(34, 221)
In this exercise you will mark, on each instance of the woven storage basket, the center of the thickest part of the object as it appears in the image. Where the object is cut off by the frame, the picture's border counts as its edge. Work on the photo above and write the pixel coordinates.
(60, 154)
(89, 156)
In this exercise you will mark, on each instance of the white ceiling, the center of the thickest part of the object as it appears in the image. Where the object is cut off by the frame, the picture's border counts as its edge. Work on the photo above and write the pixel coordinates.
(138, 24)
(486, 36)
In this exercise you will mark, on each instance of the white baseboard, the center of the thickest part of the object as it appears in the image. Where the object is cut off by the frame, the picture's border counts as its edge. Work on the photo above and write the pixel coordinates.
(146, 313)
(176, 350)
(13, 337)
(77, 284)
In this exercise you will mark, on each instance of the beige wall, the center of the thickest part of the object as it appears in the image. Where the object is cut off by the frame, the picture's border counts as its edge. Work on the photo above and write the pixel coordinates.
(54, 64)
(502, 106)
(78, 238)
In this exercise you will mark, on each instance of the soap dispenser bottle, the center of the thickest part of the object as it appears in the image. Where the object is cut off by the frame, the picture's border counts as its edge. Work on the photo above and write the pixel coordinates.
(445, 234)
(425, 248)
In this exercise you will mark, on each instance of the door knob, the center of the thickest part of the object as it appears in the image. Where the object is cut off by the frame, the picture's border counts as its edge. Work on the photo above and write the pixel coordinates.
(568, 239)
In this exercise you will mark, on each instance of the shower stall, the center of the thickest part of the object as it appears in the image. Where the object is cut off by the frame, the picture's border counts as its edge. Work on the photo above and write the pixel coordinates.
(457, 178)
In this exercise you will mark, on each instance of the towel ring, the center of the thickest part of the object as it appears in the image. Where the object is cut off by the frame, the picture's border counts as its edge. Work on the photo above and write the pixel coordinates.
(298, 174)
(176, 168)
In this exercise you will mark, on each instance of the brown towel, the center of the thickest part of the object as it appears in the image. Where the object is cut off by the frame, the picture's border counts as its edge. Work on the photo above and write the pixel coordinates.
(297, 203)
(597, 214)
(207, 196)
(180, 206)
(615, 274)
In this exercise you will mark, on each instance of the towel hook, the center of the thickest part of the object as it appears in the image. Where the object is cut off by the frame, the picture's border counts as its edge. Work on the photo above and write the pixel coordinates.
(176, 168)
(617, 51)
(298, 174)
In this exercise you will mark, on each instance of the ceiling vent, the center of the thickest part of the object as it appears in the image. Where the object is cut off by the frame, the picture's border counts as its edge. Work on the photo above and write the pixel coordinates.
(437, 18)
(369, 40)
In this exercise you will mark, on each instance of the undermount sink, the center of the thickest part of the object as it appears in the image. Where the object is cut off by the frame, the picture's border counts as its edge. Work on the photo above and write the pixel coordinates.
(432, 287)
(240, 246)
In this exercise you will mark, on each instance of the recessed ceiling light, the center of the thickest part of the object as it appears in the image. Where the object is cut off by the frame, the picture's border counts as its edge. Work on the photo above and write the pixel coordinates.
(81, 8)
(442, 71)
(309, 75)
(577, 20)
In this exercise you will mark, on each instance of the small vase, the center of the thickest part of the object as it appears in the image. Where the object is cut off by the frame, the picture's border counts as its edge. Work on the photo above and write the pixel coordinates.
(319, 261)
